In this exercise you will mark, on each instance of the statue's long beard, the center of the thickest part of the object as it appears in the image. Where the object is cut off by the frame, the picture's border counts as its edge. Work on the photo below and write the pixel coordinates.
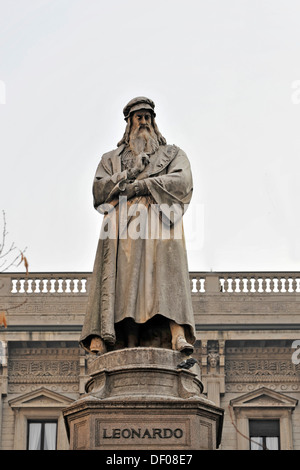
(143, 140)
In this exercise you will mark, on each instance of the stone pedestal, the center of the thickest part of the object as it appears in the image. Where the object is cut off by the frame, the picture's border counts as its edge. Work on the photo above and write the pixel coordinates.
(139, 399)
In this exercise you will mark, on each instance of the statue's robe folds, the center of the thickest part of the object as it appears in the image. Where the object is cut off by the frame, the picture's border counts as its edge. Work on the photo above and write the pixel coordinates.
(139, 277)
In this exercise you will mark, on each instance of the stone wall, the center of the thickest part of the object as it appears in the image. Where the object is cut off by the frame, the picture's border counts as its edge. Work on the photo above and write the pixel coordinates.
(246, 325)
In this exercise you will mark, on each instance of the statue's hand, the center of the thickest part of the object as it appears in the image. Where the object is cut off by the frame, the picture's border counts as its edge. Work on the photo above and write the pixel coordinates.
(129, 191)
(142, 161)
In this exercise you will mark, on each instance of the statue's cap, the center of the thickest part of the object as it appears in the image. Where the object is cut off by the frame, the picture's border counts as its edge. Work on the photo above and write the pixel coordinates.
(138, 103)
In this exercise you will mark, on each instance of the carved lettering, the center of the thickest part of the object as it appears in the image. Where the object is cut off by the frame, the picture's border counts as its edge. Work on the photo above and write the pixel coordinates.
(148, 433)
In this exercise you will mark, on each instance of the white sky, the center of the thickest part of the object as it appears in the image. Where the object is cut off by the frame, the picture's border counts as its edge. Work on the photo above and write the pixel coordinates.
(221, 73)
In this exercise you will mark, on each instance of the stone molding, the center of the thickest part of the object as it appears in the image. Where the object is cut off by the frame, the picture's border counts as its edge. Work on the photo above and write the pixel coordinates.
(39, 404)
(261, 364)
(263, 403)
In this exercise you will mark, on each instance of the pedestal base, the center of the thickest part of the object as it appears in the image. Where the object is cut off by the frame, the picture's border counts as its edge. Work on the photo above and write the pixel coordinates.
(139, 399)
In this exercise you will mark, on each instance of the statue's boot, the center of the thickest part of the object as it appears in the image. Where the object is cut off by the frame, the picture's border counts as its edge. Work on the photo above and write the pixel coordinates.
(97, 345)
(183, 346)
(179, 342)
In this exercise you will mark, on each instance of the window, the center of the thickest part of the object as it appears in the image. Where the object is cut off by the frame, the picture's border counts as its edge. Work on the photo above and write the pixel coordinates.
(264, 413)
(42, 435)
(264, 434)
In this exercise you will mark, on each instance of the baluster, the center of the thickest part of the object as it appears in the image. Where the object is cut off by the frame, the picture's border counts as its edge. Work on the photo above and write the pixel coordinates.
(288, 284)
(38, 286)
(14, 284)
(84, 285)
(75, 286)
(60, 282)
(71, 285)
(28, 286)
(240, 284)
(275, 284)
(263, 284)
(272, 284)
(64, 285)
(44, 286)
(68, 284)
(55, 285)
(80, 284)
(255, 284)
(293, 284)
(21, 289)
(246, 284)
(52, 286)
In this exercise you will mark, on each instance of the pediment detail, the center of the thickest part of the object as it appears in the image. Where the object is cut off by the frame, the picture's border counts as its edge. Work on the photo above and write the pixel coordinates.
(264, 398)
(41, 397)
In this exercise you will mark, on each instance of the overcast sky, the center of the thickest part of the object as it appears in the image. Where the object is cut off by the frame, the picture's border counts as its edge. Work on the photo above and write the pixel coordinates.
(225, 78)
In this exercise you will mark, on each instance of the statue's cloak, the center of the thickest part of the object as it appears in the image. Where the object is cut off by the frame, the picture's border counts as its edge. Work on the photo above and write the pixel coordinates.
(142, 276)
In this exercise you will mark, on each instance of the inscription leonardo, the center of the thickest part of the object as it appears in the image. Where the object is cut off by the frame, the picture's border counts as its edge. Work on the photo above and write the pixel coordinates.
(132, 433)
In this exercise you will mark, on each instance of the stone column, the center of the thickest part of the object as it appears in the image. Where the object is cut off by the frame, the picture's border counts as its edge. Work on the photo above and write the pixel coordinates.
(213, 374)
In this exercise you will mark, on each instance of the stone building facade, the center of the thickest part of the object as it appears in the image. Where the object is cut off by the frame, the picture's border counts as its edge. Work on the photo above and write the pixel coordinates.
(248, 338)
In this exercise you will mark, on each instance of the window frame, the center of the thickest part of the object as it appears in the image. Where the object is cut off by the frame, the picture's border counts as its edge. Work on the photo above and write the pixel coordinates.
(261, 434)
(40, 404)
(42, 422)
(263, 403)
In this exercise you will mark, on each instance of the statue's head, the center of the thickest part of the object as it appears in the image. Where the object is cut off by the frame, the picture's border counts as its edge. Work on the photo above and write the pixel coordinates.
(141, 131)
(213, 359)
(138, 104)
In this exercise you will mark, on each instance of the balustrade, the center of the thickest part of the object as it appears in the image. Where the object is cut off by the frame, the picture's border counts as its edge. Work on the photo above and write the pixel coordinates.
(260, 283)
(231, 283)
(41, 283)
(246, 282)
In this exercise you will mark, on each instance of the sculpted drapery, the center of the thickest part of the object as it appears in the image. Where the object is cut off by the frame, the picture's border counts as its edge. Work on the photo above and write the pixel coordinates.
(140, 270)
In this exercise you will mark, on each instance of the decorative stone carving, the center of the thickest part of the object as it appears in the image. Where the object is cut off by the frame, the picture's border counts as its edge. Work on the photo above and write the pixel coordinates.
(32, 367)
(212, 372)
(263, 364)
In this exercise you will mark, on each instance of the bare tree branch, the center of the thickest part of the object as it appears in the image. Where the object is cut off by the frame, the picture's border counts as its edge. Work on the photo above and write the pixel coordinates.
(240, 433)
(10, 259)
(7, 255)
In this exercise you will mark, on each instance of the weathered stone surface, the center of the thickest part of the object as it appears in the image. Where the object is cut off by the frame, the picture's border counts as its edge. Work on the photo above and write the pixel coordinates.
(139, 399)
(161, 424)
(139, 290)
(142, 372)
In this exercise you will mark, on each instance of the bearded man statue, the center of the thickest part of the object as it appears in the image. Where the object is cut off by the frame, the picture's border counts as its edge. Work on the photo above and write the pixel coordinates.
(140, 291)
